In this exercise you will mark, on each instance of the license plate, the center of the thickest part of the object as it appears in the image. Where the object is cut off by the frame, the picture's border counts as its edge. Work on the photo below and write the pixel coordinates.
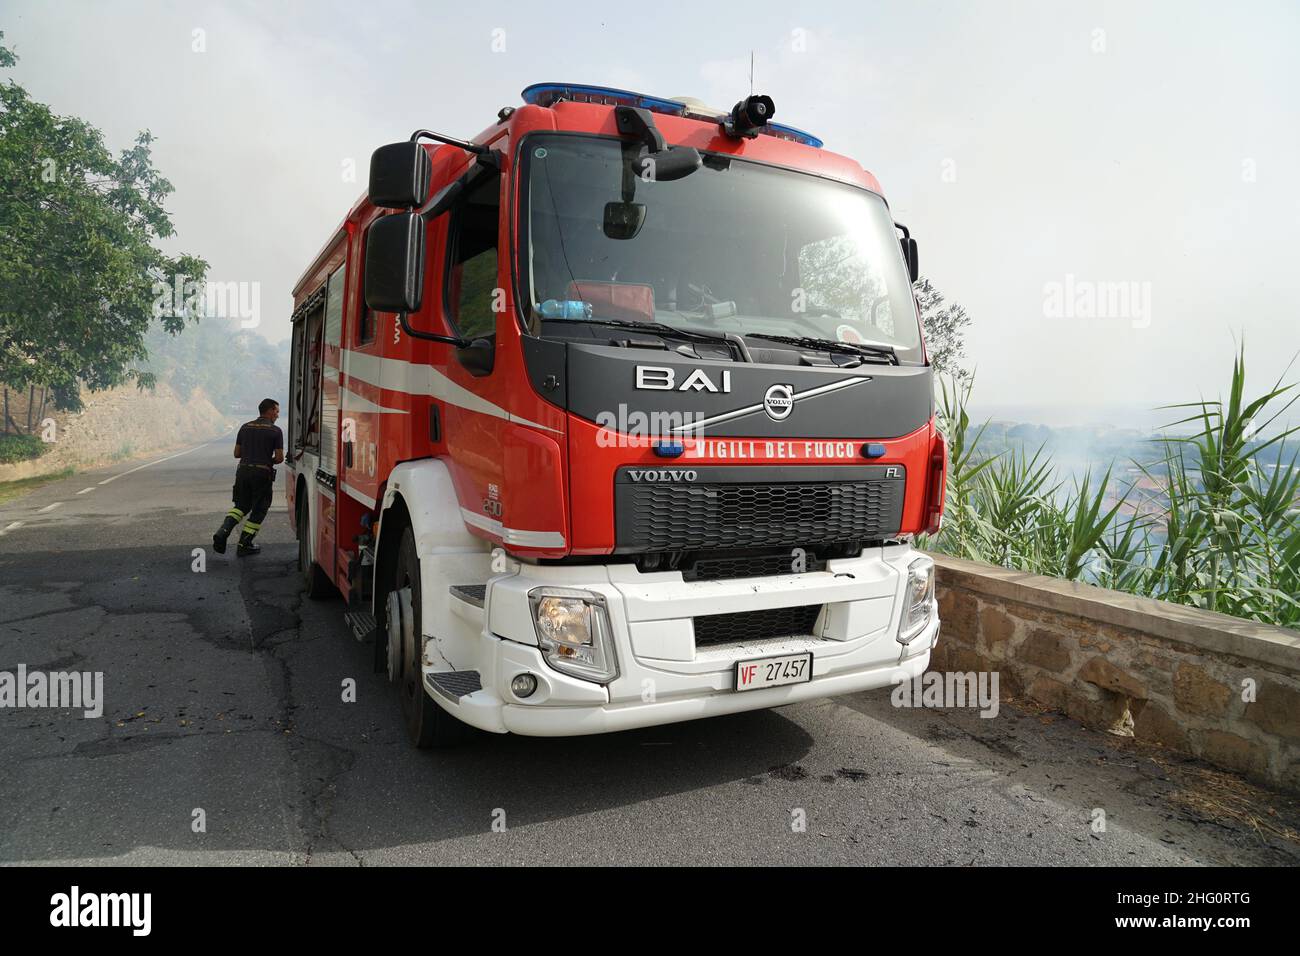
(773, 671)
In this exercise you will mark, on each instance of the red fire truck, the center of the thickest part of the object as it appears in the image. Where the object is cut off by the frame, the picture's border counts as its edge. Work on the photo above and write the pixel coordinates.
(618, 414)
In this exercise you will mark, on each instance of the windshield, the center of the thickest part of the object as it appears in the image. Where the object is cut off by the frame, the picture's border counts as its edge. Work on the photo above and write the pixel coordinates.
(733, 247)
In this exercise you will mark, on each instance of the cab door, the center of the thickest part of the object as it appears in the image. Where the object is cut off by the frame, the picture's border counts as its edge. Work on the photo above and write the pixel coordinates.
(468, 285)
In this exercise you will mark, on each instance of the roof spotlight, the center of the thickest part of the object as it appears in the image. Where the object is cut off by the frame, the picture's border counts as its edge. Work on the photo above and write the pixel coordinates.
(749, 116)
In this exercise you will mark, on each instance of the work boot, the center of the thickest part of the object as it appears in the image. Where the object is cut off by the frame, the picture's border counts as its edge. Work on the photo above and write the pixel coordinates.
(219, 539)
(246, 546)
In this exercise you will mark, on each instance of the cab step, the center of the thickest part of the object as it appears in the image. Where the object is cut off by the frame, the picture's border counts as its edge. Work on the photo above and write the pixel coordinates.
(453, 684)
(363, 624)
(474, 594)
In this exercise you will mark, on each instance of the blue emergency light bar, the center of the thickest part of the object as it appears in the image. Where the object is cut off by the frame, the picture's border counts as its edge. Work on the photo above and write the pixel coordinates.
(548, 94)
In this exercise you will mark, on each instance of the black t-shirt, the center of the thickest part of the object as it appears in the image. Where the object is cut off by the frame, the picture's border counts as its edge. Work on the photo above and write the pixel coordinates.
(257, 440)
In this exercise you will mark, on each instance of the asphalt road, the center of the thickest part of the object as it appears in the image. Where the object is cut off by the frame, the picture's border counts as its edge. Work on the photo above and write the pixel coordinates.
(223, 694)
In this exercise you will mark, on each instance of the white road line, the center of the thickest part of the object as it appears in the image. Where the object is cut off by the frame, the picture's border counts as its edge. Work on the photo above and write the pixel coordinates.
(151, 463)
(50, 507)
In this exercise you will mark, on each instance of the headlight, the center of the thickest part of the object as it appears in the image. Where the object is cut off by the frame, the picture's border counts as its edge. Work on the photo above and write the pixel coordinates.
(918, 598)
(574, 633)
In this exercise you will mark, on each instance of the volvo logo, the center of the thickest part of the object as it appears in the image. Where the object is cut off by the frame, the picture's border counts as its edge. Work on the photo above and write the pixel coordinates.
(778, 402)
(667, 475)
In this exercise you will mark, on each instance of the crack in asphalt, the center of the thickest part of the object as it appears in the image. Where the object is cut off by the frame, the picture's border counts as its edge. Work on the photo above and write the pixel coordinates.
(57, 663)
(42, 614)
(319, 764)
(133, 743)
(272, 603)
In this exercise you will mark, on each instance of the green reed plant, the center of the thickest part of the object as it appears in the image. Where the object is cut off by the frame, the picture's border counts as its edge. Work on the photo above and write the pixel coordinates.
(1222, 532)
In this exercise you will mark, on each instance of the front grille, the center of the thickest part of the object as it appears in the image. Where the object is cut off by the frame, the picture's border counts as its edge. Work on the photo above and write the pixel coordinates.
(739, 507)
(725, 567)
(755, 625)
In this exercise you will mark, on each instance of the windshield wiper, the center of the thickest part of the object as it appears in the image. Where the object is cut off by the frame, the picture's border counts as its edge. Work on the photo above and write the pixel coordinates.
(873, 350)
(660, 327)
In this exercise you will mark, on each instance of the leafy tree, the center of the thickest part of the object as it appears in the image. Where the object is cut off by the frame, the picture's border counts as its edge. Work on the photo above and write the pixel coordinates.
(78, 254)
(945, 330)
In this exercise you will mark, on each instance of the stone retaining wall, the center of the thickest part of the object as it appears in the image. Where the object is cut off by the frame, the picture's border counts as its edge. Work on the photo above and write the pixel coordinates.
(1216, 687)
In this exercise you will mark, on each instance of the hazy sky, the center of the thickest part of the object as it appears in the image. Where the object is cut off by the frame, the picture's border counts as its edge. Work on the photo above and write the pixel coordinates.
(1035, 149)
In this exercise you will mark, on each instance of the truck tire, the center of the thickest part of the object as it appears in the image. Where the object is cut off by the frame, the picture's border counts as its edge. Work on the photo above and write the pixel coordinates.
(427, 724)
(314, 580)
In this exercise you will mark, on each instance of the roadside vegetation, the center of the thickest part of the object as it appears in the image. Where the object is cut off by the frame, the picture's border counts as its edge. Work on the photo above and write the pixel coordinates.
(14, 489)
(15, 448)
(1214, 521)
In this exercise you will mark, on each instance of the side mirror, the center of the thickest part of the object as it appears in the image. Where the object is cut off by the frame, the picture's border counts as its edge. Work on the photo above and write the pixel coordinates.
(911, 257)
(399, 176)
(479, 356)
(908, 245)
(394, 280)
(623, 220)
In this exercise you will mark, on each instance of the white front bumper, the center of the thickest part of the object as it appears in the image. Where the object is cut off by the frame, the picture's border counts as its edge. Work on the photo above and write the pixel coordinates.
(662, 677)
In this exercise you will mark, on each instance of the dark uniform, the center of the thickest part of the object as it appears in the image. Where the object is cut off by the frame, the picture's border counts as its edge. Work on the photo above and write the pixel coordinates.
(254, 482)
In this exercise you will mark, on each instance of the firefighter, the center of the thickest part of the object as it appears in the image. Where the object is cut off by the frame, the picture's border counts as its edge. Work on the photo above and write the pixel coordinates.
(259, 446)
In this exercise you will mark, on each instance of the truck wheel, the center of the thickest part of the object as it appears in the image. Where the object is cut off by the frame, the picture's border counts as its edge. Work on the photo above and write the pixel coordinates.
(427, 724)
(314, 580)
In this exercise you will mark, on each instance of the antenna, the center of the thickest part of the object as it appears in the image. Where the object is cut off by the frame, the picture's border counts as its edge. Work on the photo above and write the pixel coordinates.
(751, 72)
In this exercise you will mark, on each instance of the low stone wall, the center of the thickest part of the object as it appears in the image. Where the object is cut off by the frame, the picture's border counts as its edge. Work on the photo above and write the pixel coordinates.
(1216, 687)
(117, 424)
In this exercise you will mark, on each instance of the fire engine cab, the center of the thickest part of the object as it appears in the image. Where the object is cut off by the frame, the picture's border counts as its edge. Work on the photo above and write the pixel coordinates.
(616, 415)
